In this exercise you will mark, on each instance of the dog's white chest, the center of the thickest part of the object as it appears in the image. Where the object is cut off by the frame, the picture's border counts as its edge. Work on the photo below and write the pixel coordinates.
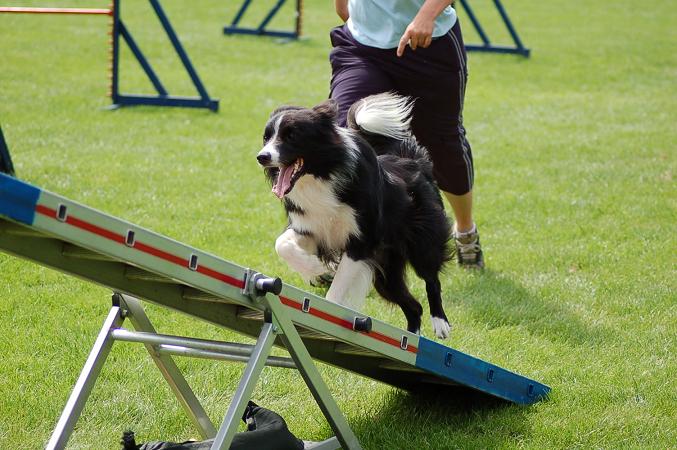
(330, 221)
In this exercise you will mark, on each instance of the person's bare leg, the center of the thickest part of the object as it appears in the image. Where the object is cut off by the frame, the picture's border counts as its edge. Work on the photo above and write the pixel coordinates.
(466, 238)
(462, 207)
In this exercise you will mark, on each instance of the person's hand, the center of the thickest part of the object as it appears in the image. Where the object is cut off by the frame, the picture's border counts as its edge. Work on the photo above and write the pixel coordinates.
(419, 33)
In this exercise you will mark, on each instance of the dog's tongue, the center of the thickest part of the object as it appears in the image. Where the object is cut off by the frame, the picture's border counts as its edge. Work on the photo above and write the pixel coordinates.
(283, 181)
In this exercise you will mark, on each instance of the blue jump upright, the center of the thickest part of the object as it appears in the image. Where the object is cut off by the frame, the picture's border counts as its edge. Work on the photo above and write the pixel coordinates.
(487, 46)
(6, 165)
(262, 28)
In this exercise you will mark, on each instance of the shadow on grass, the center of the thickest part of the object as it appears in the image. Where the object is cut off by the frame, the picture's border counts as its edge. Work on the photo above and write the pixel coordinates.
(497, 300)
(449, 418)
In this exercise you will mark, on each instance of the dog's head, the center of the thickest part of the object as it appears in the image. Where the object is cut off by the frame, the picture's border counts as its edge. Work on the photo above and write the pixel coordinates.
(299, 141)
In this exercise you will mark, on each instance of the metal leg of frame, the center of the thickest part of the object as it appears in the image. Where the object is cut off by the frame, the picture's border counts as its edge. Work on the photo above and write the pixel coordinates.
(252, 371)
(168, 368)
(311, 376)
(83, 387)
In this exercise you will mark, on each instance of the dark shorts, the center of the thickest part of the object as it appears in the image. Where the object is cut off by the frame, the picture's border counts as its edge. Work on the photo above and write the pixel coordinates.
(435, 76)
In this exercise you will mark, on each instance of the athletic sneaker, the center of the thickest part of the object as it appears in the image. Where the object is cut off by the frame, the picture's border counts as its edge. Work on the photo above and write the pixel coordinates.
(468, 249)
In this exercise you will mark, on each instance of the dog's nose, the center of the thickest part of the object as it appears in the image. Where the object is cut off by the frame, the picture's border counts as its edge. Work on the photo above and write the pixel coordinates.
(263, 157)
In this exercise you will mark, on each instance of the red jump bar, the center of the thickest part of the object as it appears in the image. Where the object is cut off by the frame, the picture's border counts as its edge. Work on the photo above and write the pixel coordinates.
(27, 10)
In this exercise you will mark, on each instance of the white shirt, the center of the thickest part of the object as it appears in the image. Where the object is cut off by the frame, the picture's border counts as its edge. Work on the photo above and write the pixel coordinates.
(381, 23)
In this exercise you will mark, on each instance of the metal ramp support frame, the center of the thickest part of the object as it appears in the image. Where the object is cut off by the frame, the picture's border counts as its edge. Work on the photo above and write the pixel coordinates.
(487, 46)
(162, 98)
(235, 28)
(161, 347)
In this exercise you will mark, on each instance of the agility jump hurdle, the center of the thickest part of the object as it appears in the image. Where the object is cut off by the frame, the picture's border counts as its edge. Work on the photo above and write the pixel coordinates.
(134, 262)
(118, 28)
(261, 30)
(486, 45)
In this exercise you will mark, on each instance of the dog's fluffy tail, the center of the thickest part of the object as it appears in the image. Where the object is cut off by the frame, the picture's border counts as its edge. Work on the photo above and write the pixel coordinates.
(386, 114)
(410, 148)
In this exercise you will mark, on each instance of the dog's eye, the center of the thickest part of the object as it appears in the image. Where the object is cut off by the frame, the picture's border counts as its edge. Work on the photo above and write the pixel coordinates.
(267, 134)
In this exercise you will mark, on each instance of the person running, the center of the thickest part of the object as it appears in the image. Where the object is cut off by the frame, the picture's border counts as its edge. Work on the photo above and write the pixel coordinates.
(414, 48)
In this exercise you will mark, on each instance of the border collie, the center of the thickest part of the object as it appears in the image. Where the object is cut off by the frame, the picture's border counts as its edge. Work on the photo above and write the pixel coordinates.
(361, 202)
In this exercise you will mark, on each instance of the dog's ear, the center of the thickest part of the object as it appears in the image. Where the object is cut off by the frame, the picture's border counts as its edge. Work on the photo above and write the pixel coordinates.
(327, 109)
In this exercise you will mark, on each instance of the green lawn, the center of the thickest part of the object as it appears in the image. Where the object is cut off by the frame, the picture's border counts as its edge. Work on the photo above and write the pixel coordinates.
(575, 198)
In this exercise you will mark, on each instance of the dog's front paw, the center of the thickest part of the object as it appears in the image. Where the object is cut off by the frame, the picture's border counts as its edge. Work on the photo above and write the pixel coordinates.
(441, 327)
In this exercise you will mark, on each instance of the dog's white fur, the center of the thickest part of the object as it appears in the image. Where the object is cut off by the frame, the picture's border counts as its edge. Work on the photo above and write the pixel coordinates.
(351, 284)
(387, 115)
(300, 253)
(332, 223)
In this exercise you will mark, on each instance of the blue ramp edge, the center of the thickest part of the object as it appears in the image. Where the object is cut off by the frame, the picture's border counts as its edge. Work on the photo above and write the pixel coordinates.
(17, 199)
(475, 373)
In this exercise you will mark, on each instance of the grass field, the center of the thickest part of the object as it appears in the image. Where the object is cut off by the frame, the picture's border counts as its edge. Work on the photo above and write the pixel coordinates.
(575, 199)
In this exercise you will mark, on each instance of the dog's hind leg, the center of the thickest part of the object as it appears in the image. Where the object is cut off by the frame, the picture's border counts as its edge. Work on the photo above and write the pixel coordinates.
(300, 252)
(390, 284)
(428, 268)
(438, 318)
(351, 283)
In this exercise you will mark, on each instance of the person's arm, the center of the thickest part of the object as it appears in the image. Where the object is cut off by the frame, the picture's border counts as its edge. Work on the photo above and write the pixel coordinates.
(419, 33)
(342, 9)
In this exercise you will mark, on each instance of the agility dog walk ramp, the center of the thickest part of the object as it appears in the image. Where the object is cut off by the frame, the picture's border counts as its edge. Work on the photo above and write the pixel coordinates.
(134, 262)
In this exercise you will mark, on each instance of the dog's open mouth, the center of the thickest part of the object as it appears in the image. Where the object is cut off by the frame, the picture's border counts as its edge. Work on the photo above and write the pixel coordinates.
(286, 178)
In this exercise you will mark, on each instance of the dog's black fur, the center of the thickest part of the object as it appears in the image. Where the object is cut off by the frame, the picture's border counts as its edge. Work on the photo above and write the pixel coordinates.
(387, 183)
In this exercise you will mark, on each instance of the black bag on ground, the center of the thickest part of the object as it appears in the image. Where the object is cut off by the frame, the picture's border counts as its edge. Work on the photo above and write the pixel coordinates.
(266, 430)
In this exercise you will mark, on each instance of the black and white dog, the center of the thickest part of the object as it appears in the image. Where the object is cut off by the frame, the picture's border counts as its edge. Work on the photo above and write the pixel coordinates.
(361, 201)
